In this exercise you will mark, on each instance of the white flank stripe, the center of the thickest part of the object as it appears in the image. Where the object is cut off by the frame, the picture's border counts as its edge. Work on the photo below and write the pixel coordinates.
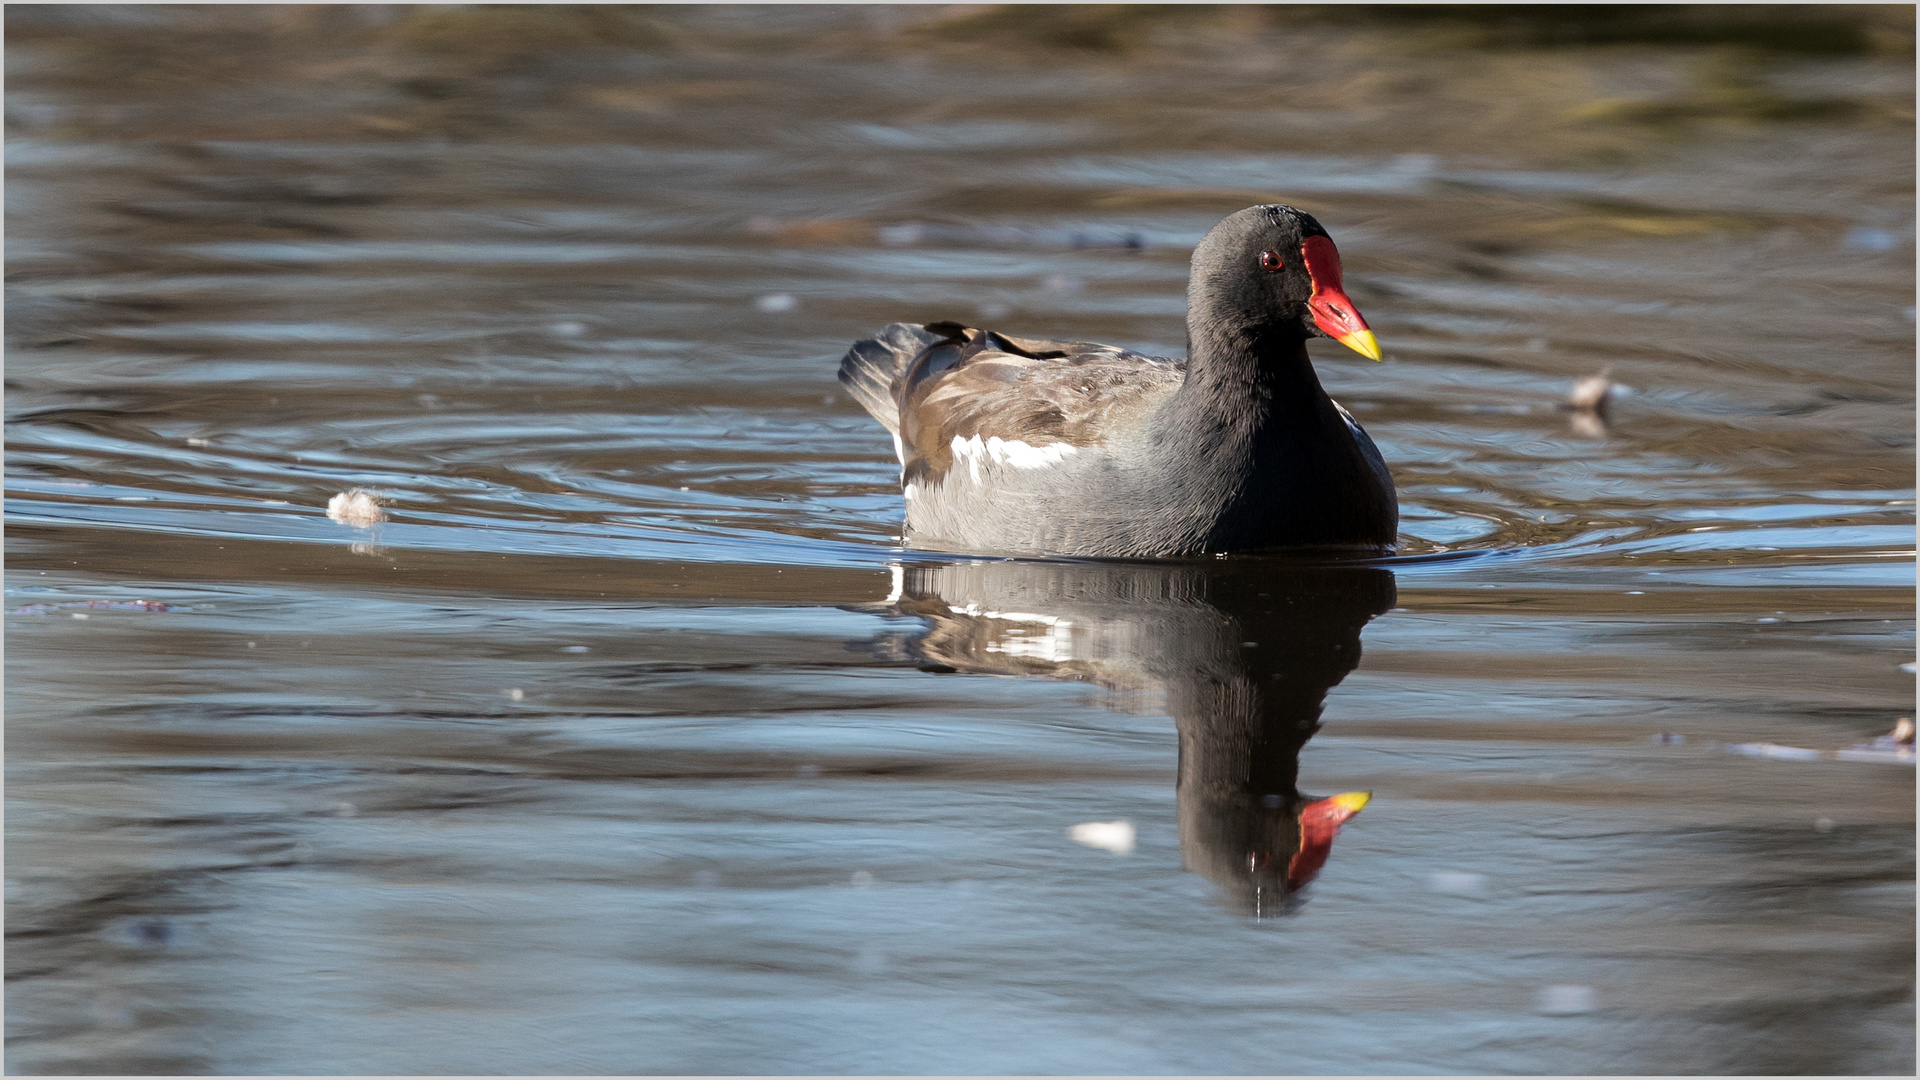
(1010, 452)
(970, 451)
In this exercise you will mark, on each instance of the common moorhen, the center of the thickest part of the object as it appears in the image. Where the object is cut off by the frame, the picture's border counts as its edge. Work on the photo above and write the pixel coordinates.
(1028, 446)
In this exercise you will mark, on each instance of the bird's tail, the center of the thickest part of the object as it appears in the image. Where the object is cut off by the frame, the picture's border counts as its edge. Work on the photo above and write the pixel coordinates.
(871, 371)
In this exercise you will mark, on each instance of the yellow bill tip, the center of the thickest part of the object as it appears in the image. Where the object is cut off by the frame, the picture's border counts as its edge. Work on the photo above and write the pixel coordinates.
(1362, 342)
(1352, 801)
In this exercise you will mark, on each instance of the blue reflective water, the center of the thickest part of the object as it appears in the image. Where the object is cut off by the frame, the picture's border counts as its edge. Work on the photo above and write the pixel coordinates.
(631, 741)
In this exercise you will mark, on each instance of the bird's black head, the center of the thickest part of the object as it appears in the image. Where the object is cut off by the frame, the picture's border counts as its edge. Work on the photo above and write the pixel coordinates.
(1272, 266)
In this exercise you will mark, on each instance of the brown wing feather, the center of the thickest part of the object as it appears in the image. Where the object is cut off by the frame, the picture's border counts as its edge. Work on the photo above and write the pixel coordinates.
(981, 383)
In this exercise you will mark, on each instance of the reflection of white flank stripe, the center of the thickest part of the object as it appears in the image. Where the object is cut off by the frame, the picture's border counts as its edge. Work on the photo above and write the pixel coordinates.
(1053, 644)
(1013, 616)
(1010, 452)
(899, 582)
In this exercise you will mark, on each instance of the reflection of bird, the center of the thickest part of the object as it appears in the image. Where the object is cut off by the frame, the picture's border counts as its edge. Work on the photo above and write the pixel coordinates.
(1319, 823)
(1013, 444)
(1244, 650)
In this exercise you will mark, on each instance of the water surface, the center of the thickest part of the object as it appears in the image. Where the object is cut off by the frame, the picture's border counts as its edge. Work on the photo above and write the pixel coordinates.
(632, 741)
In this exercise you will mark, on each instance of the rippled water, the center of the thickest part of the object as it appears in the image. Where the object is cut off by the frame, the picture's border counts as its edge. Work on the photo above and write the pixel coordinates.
(632, 742)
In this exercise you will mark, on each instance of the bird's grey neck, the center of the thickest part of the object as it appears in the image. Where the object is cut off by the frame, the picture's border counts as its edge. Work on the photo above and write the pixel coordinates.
(1241, 377)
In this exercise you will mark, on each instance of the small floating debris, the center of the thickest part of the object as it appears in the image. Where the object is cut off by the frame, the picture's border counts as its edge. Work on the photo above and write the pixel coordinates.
(1113, 836)
(776, 303)
(1893, 748)
(1589, 402)
(1565, 1000)
(1457, 883)
(1592, 394)
(356, 508)
(1774, 750)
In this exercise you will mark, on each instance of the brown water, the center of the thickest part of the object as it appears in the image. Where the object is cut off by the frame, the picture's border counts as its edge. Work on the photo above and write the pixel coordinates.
(632, 741)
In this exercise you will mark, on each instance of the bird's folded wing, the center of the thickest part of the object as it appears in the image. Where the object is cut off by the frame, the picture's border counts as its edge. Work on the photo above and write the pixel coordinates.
(1020, 402)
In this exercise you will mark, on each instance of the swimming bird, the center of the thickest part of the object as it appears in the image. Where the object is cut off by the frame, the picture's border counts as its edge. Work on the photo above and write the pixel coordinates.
(1018, 445)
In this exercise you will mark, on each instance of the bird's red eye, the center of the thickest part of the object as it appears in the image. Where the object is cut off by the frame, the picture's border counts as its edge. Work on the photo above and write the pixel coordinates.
(1270, 261)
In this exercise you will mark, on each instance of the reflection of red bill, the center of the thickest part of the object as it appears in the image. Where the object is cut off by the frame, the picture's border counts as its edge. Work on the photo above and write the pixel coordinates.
(1319, 824)
(1332, 311)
